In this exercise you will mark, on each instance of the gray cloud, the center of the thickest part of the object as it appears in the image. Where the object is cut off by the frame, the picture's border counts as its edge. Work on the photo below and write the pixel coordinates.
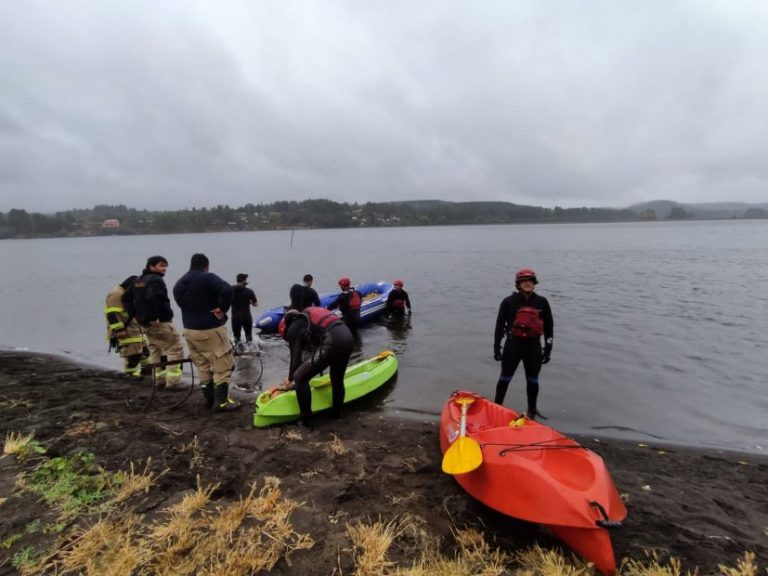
(174, 104)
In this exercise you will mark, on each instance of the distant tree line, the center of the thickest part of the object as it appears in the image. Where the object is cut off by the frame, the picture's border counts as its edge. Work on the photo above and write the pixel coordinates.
(319, 213)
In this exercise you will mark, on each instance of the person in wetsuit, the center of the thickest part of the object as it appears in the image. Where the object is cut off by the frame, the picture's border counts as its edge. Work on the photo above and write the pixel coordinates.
(330, 342)
(397, 300)
(242, 300)
(524, 317)
(303, 295)
(349, 302)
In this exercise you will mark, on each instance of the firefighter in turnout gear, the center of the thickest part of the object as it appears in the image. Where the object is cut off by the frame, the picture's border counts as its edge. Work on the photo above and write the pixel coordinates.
(153, 312)
(123, 331)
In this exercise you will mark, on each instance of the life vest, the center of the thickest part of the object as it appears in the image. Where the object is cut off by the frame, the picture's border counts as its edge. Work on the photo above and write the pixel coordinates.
(355, 300)
(320, 318)
(528, 323)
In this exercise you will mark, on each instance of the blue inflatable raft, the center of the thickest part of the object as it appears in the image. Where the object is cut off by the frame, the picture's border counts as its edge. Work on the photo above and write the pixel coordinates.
(374, 295)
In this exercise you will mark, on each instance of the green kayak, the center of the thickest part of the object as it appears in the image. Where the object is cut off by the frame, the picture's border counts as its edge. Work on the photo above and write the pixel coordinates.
(359, 380)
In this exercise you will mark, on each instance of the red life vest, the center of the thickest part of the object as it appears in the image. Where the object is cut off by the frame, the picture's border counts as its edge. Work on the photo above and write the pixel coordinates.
(320, 318)
(354, 300)
(528, 323)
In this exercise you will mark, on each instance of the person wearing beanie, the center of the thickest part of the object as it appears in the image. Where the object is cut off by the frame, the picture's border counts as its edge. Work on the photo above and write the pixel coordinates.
(153, 312)
(204, 299)
(242, 321)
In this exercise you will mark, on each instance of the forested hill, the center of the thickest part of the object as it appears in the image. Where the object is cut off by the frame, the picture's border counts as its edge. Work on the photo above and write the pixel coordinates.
(120, 219)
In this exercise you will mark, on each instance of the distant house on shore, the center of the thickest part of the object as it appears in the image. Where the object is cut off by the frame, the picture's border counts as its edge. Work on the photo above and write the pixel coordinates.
(110, 223)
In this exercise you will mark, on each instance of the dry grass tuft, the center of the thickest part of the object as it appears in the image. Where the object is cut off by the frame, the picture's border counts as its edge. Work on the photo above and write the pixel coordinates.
(247, 536)
(194, 501)
(370, 544)
(744, 566)
(537, 561)
(294, 435)
(242, 537)
(336, 446)
(17, 443)
(653, 567)
(197, 459)
(106, 548)
(475, 558)
(131, 483)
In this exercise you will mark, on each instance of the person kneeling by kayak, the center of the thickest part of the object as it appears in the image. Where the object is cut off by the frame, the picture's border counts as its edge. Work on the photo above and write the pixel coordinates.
(331, 342)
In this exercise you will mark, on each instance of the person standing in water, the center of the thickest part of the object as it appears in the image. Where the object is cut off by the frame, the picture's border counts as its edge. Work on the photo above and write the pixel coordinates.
(303, 295)
(242, 321)
(524, 317)
(348, 302)
(397, 300)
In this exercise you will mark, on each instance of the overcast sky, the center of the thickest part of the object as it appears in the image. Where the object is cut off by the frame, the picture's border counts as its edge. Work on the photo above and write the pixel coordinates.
(180, 103)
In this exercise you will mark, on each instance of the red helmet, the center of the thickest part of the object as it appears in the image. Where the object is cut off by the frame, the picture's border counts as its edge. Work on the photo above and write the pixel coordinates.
(398, 282)
(525, 274)
(344, 282)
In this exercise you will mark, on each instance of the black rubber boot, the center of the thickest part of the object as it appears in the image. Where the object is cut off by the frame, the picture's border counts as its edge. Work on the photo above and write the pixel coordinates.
(207, 390)
(222, 402)
(306, 422)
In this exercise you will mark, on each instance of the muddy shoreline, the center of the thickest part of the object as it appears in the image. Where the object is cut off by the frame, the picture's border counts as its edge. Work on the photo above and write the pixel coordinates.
(705, 507)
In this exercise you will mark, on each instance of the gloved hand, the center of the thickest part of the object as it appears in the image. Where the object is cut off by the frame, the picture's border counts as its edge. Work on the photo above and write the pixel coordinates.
(113, 343)
(546, 352)
(497, 354)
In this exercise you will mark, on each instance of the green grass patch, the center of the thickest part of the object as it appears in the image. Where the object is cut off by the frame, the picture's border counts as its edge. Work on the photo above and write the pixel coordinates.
(10, 541)
(25, 559)
(72, 484)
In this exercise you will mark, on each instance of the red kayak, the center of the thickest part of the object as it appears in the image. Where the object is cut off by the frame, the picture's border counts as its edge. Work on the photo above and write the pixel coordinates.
(532, 472)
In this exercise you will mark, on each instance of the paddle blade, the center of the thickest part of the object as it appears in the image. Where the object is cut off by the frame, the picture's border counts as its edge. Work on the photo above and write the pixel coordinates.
(463, 456)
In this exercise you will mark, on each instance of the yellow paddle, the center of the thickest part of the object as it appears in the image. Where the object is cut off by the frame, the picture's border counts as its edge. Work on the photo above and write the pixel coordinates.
(465, 454)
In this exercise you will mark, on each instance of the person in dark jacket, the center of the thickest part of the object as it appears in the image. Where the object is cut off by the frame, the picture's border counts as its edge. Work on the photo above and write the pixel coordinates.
(397, 300)
(329, 343)
(349, 302)
(242, 300)
(303, 295)
(204, 299)
(524, 317)
(148, 301)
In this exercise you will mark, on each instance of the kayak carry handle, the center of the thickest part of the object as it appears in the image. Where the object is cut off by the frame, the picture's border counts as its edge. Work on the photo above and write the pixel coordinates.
(604, 522)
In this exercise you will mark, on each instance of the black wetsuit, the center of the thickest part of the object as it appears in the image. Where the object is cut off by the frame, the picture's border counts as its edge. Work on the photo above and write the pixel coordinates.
(242, 300)
(331, 346)
(349, 312)
(517, 348)
(397, 302)
(303, 296)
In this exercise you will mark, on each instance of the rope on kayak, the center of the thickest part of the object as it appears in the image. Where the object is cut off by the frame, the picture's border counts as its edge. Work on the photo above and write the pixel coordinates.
(531, 446)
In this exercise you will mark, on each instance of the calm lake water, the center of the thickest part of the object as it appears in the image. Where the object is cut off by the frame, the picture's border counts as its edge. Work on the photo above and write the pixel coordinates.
(660, 327)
